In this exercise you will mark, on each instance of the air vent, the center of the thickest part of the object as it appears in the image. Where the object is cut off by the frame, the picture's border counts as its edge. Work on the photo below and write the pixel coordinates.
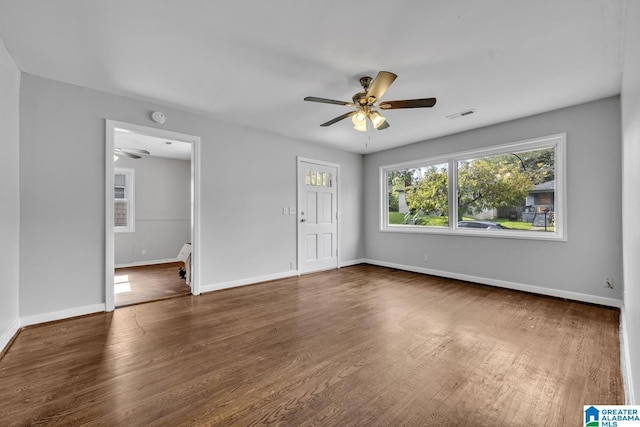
(461, 114)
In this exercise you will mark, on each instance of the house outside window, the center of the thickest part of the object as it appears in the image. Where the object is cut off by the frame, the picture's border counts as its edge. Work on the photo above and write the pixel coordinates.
(124, 200)
(514, 190)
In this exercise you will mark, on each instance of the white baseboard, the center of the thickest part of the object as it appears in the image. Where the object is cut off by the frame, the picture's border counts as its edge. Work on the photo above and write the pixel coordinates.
(6, 338)
(62, 314)
(249, 281)
(575, 296)
(625, 360)
(148, 262)
(352, 262)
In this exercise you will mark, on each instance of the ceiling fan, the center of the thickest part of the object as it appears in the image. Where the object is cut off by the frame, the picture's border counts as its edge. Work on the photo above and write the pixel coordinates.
(134, 153)
(365, 103)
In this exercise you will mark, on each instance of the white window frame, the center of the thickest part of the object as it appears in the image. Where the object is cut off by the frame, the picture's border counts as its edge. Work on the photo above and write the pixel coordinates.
(557, 141)
(130, 198)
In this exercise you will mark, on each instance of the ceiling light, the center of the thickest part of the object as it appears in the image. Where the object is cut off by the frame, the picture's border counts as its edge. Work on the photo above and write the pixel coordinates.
(361, 126)
(359, 121)
(376, 119)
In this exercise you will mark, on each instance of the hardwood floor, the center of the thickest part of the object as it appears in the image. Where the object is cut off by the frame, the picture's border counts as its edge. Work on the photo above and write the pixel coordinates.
(362, 345)
(148, 283)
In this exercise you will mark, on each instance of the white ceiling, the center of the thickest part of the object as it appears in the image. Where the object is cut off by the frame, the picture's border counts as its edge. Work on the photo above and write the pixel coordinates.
(252, 62)
(157, 147)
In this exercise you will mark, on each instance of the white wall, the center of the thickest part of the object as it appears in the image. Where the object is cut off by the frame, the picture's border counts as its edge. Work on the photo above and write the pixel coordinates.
(593, 250)
(162, 210)
(631, 195)
(9, 196)
(247, 177)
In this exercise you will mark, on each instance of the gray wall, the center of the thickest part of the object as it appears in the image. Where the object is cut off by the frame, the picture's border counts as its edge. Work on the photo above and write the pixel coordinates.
(247, 177)
(593, 250)
(162, 210)
(9, 195)
(631, 192)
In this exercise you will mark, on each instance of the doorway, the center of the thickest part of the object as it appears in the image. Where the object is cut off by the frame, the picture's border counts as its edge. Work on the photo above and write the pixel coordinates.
(146, 228)
(317, 215)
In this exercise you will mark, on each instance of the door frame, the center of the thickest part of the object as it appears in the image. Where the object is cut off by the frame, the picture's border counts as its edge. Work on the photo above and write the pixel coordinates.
(299, 188)
(109, 262)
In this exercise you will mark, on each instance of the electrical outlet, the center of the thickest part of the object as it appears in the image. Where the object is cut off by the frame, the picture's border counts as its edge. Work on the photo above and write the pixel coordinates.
(426, 258)
(291, 266)
(292, 210)
(144, 252)
(285, 211)
(608, 282)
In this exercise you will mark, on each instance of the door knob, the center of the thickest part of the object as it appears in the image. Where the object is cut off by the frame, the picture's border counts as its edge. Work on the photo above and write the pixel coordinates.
(302, 220)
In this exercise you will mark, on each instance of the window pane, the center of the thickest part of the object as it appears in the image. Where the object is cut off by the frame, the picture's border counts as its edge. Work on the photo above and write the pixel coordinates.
(120, 211)
(120, 180)
(419, 196)
(508, 191)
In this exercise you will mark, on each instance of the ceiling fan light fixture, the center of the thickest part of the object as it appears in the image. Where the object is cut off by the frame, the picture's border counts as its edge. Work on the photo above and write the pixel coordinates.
(359, 117)
(360, 126)
(376, 119)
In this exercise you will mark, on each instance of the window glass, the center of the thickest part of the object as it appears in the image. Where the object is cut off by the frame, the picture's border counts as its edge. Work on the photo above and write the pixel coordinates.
(513, 190)
(419, 196)
(123, 200)
(318, 179)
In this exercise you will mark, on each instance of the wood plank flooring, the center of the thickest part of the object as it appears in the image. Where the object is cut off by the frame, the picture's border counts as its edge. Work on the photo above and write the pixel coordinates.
(149, 283)
(362, 345)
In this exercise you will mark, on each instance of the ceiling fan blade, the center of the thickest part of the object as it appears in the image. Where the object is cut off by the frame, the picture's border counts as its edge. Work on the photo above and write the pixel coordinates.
(328, 101)
(124, 153)
(337, 119)
(408, 103)
(384, 125)
(135, 150)
(380, 85)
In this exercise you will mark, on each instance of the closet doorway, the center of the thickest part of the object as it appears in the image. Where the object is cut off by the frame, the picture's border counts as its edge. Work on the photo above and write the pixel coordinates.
(151, 214)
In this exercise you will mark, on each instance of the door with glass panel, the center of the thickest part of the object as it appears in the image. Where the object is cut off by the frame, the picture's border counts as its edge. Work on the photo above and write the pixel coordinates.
(317, 217)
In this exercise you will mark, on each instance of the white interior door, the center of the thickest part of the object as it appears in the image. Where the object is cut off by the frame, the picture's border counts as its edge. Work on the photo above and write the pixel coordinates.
(317, 217)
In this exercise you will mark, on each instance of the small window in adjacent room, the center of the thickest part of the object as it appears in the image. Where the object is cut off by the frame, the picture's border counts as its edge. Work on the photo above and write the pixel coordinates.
(514, 190)
(123, 200)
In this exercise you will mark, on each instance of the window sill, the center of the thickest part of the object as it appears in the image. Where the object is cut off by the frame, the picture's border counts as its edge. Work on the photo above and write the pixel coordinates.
(495, 234)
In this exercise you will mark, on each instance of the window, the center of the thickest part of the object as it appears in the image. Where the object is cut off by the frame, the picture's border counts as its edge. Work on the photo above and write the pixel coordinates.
(515, 191)
(123, 200)
(318, 179)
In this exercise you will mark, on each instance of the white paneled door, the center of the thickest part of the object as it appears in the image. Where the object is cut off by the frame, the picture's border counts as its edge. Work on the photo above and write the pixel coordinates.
(317, 217)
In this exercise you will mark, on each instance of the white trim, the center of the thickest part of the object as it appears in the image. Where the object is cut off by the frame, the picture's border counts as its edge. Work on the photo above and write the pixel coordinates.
(300, 160)
(195, 216)
(8, 335)
(352, 262)
(249, 281)
(625, 360)
(62, 314)
(109, 234)
(110, 127)
(147, 262)
(574, 296)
